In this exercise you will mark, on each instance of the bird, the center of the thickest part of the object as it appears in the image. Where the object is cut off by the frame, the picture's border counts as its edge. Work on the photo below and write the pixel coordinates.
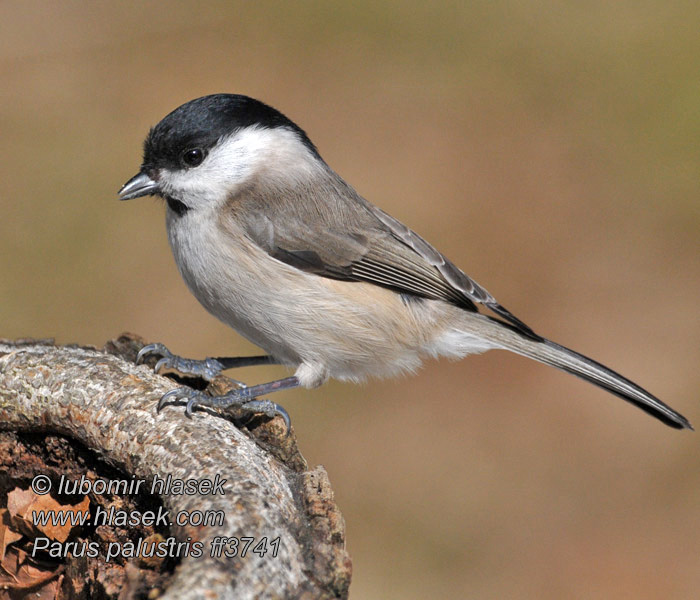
(276, 245)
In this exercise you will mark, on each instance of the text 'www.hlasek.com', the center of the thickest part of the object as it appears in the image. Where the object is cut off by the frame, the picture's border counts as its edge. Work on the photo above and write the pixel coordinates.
(216, 547)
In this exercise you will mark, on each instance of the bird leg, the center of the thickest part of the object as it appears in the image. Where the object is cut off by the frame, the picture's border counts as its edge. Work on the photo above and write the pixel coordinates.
(244, 398)
(207, 368)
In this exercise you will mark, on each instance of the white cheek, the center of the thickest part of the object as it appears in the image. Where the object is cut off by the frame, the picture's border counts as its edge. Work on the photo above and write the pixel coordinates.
(235, 160)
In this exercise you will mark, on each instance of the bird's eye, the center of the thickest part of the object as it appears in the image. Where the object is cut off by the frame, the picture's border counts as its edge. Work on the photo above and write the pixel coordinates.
(193, 157)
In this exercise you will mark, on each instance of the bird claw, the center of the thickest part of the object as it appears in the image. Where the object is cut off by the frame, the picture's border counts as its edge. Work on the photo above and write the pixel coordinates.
(237, 398)
(179, 393)
(159, 349)
(208, 369)
(269, 409)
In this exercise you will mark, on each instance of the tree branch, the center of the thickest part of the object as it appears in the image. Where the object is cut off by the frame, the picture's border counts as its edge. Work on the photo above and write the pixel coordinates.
(108, 404)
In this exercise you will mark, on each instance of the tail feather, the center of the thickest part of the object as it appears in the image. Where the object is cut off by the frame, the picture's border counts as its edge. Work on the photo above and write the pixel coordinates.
(586, 368)
(572, 362)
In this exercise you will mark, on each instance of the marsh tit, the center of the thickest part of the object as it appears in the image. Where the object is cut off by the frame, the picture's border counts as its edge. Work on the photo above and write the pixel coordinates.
(278, 246)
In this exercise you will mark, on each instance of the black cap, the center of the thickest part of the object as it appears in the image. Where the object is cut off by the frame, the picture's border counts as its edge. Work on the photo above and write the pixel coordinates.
(201, 123)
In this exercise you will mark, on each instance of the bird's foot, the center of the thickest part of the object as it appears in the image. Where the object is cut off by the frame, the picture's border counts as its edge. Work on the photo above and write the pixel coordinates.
(207, 369)
(241, 399)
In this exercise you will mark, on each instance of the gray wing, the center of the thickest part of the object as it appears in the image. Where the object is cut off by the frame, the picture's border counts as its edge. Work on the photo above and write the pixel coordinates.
(356, 241)
(457, 279)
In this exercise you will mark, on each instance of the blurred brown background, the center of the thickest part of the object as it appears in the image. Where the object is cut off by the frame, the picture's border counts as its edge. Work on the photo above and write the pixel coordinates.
(550, 149)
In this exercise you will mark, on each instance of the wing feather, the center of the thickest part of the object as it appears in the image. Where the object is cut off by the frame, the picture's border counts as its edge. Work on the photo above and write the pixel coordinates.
(356, 241)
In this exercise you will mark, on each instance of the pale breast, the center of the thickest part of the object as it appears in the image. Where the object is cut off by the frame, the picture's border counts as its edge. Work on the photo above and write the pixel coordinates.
(350, 330)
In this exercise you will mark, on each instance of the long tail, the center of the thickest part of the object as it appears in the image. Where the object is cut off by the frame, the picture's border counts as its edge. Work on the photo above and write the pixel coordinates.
(507, 337)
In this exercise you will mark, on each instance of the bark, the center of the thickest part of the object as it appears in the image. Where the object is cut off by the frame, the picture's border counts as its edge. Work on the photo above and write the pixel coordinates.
(104, 401)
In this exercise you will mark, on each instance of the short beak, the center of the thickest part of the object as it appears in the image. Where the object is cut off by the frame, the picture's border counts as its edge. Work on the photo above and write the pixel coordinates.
(139, 185)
